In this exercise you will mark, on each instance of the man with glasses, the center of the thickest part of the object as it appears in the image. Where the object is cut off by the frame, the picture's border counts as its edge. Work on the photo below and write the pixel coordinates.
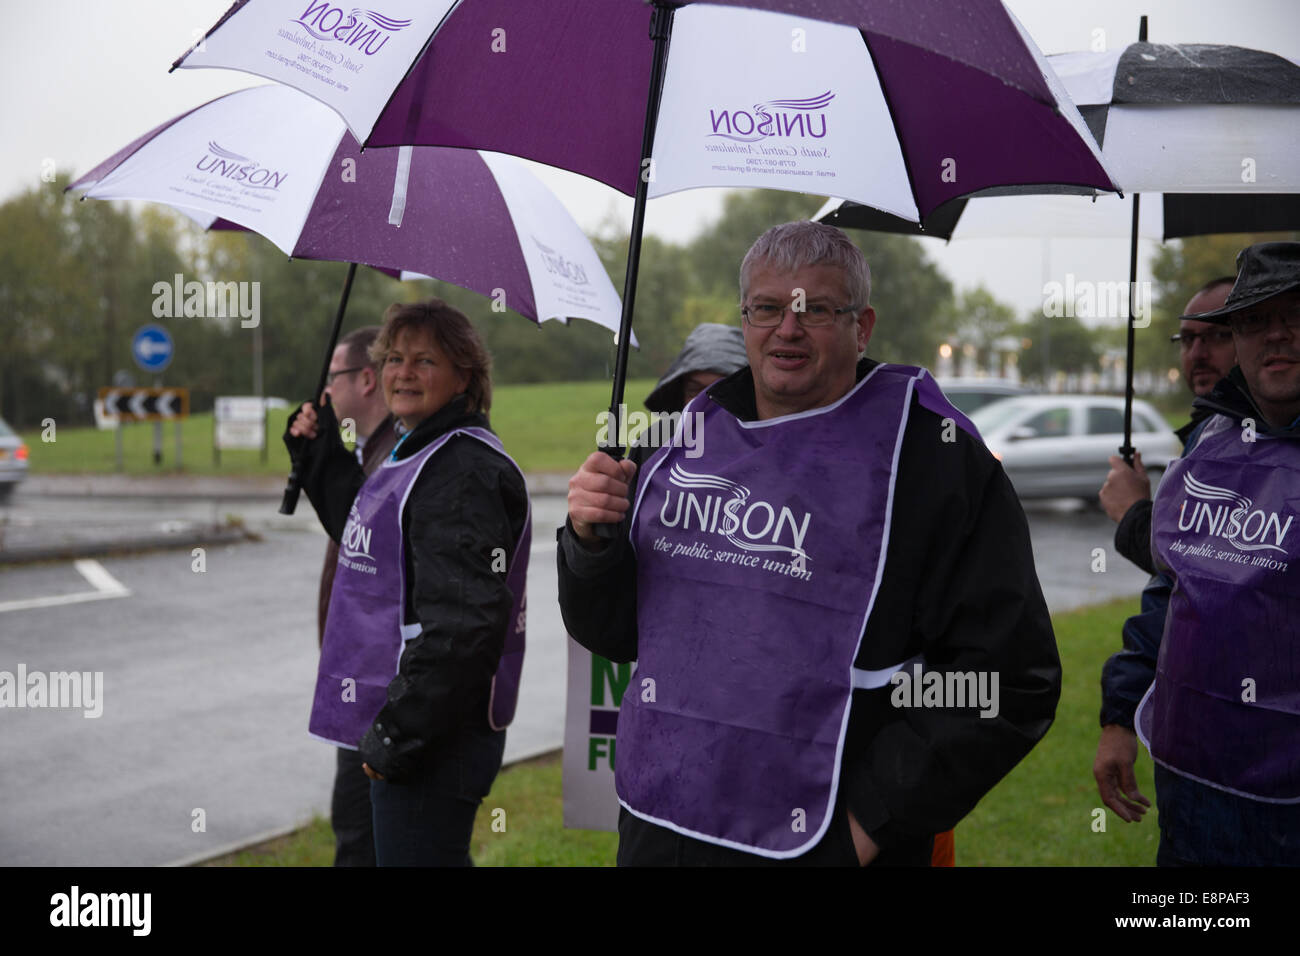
(354, 392)
(1220, 686)
(844, 541)
(1206, 353)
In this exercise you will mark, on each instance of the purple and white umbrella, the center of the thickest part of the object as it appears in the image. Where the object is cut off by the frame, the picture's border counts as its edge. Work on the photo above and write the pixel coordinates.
(902, 106)
(278, 163)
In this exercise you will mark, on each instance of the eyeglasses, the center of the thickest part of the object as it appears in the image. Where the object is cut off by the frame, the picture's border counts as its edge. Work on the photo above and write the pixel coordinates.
(765, 315)
(1253, 323)
(330, 377)
(1211, 338)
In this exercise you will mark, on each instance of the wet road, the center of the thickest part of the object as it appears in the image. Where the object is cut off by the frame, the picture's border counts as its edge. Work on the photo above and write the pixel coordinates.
(207, 676)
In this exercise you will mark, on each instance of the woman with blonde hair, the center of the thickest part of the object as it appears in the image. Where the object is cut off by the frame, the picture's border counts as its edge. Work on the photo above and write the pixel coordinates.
(424, 637)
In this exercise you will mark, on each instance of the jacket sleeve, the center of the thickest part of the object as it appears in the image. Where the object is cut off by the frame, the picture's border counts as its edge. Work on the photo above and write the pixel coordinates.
(971, 597)
(1133, 535)
(330, 475)
(1126, 676)
(598, 588)
(466, 517)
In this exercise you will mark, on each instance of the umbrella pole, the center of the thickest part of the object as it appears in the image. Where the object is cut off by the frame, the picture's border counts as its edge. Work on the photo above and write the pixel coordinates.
(660, 28)
(291, 488)
(661, 25)
(1126, 449)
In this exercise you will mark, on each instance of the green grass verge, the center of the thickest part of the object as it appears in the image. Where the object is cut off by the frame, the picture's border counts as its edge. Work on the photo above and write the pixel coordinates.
(1041, 814)
(546, 427)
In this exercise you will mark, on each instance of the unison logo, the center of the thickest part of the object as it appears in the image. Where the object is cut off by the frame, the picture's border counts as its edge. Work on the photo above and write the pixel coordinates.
(721, 506)
(790, 119)
(364, 30)
(560, 266)
(1224, 513)
(356, 537)
(240, 169)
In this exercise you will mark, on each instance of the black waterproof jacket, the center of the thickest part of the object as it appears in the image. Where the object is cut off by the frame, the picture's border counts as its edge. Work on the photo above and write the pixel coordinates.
(959, 586)
(468, 502)
(1133, 533)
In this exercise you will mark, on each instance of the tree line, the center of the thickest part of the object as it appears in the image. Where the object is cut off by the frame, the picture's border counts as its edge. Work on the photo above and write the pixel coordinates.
(78, 278)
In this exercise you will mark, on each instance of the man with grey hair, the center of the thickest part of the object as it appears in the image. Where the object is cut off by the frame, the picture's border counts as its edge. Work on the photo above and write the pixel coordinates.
(841, 640)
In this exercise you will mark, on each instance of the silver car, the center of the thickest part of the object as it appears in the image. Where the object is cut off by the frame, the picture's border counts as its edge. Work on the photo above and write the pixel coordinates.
(971, 394)
(1057, 446)
(13, 460)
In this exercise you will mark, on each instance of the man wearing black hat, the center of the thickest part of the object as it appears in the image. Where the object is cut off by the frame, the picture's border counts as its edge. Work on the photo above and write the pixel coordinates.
(1221, 716)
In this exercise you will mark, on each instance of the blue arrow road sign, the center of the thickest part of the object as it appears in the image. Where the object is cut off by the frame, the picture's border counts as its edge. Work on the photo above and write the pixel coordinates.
(152, 348)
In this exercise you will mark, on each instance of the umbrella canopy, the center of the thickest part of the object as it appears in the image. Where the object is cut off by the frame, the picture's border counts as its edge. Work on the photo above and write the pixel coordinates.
(276, 162)
(885, 103)
(1211, 127)
(888, 104)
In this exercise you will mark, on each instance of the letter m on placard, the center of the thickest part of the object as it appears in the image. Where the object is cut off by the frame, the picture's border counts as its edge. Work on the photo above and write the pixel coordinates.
(606, 675)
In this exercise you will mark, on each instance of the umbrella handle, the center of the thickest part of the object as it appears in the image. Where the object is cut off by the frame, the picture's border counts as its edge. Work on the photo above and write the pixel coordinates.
(292, 485)
(609, 531)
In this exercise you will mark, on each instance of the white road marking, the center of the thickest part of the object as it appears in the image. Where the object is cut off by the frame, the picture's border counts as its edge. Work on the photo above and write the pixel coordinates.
(105, 585)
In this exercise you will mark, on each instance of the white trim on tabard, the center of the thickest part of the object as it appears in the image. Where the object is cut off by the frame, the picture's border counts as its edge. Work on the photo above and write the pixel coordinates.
(333, 743)
(870, 680)
(419, 460)
(1137, 727)
(886, 524)
(820, 410)
(495, 443)
(411, 631)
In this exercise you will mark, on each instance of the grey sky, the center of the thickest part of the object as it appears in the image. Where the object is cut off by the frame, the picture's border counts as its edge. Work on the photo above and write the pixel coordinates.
(81, 78)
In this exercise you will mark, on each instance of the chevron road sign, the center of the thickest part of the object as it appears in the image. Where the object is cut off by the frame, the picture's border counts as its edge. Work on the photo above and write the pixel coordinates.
(144, 404)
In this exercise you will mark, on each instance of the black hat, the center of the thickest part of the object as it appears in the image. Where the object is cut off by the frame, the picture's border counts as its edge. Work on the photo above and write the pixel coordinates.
(1264, 270)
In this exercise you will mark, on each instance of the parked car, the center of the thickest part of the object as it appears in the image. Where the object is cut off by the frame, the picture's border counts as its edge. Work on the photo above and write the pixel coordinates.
(13, 460)
(1058, 446)
(970, 394)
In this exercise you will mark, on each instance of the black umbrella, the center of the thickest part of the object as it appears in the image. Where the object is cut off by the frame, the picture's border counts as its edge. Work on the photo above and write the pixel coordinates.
(1214, 125)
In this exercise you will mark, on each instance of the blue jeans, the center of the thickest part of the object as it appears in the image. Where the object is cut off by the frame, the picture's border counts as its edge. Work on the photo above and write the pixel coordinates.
(429, 819)
(1202, 826)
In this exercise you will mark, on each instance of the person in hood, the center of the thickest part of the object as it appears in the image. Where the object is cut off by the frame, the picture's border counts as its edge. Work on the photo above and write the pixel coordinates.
(1219, 682)
(712, 352)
